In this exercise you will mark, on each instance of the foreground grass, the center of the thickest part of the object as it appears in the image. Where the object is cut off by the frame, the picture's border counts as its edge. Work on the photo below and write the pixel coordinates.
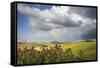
(46, 52)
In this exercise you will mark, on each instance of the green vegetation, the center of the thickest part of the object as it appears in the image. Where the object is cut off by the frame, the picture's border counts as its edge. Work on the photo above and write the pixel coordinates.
(47, 52)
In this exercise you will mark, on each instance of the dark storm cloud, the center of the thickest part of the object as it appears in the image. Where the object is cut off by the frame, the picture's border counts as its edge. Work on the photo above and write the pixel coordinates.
(58, 24)
(67, 22)
(43, 27)
(91, 34)
(87, 12)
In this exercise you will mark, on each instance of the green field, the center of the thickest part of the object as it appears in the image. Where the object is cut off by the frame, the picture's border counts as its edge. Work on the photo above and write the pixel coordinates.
(47, 52)
(89, 48)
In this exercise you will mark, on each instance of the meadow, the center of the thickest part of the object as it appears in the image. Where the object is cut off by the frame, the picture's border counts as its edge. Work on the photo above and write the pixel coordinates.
(55, 52)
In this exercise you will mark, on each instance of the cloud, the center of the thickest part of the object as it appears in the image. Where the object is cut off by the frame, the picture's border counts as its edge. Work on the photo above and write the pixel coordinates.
(61, 22)
(91, 34)
(42, 19)
(87, 12)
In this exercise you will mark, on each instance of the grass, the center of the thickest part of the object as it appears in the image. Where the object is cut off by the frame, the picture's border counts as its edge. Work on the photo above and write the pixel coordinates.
(89, 49)
(68, 51)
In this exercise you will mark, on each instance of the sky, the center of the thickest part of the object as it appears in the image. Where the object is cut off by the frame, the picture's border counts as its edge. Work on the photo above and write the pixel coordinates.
(44, 23)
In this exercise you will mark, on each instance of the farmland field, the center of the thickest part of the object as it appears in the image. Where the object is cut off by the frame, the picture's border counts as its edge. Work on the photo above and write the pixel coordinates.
(48, 52)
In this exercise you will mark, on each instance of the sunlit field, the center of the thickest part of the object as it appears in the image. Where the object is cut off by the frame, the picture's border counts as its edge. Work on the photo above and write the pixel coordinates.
(55, 52)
